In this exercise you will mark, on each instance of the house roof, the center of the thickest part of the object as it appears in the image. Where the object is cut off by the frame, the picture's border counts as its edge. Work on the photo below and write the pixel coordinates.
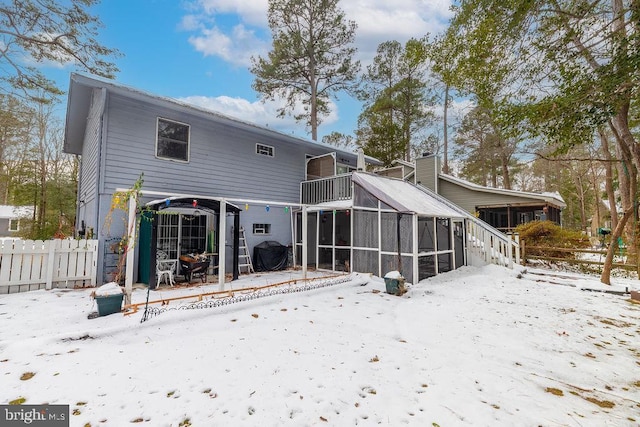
(12, 212)
(551, 198)
(406, 197)
(81, 91)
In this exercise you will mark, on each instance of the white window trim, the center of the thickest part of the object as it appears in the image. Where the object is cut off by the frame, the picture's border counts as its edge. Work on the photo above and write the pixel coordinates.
(273, 150)
(17, 221)
(188, 140)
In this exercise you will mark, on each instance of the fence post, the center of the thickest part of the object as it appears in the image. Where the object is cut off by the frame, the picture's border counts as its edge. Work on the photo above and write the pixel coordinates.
(50, 263)
(517, 248)
(523, 253)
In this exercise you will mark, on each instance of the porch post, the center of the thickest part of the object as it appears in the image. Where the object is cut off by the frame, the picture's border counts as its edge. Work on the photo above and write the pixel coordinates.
(236, 244)
(131, 242)
(414, 226)
(153, 251)
(222, 232)
(305, 224)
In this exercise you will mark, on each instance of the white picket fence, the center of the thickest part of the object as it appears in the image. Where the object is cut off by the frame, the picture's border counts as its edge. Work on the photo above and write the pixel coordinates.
(27, 265)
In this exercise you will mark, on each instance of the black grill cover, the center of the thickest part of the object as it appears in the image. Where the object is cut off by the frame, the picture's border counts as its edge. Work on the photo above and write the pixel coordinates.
(270, 256)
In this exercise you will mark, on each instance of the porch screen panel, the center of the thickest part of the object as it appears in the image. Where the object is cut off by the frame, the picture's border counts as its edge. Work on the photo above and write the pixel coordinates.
(343, 258)
(426, 239)
(326, 228)
(365, 232)
(444, 263)
(443, 234)
(365, 261)
(390, 263)
(325, 258)
(299, 227)
(343, 228)
(389, 237)
(426, 267)
(363, 198)
(312, 238)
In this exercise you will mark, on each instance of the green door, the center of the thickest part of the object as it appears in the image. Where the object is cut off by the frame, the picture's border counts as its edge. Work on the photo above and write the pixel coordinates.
(144, 247)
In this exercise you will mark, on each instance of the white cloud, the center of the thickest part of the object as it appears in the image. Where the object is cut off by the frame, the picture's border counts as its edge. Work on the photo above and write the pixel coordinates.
(236, 47)
(262, 114)
(253, 12)
(378, 21)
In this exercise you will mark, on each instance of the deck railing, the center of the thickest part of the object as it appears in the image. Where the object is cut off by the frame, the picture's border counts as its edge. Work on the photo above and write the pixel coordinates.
(485, 244)
(328, 189)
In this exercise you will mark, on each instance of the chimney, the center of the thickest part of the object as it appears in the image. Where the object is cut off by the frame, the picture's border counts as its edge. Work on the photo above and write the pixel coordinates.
(427, 171)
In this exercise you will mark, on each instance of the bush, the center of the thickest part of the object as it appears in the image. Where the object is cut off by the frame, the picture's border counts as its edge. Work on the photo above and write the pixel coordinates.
(547, 234)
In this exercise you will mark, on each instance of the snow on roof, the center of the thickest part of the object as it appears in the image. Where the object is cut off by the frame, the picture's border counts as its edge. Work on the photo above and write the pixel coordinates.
(404, 196)
(8, 211)
(549, 197)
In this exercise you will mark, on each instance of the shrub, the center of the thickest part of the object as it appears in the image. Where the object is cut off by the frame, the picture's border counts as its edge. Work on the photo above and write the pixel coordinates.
(547, 234)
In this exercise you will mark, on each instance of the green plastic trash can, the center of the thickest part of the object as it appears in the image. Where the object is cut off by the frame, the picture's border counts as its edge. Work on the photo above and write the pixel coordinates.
(109, 304)
(394, 283)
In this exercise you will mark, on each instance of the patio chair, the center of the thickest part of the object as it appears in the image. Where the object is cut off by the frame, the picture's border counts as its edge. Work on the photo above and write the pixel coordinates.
(165, 267)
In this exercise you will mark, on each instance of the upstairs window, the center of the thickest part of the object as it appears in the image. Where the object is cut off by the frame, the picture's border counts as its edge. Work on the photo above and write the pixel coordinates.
(265, 150)
(173, 140)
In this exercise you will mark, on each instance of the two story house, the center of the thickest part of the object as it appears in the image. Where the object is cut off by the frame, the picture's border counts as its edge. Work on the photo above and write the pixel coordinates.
(200, 168)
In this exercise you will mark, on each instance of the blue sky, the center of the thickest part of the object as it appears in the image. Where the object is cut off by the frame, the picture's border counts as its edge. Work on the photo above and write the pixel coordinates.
(199, 50)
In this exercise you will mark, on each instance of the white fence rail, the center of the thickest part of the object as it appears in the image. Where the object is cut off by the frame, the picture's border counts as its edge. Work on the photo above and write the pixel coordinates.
(45, 264)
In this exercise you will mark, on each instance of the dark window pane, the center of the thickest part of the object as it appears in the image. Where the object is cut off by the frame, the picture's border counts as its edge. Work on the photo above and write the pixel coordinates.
(173, 150)
(173, 130)
(173, 140)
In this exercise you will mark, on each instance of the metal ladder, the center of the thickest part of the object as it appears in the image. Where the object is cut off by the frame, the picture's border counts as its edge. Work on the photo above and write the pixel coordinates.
(244, 257)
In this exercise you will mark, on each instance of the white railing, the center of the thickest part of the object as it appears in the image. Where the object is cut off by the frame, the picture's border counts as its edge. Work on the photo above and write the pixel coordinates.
(326, 189)
(45, 264)
(485, 244)
(490, 246)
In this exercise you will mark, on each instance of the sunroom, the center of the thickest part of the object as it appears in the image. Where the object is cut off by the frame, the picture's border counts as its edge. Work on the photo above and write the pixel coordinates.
(387, 224)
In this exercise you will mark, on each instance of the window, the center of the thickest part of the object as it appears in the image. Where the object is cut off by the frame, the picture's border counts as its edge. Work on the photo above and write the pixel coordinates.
(14, 224)
(265, 150)
(173, 140)
(261, 228)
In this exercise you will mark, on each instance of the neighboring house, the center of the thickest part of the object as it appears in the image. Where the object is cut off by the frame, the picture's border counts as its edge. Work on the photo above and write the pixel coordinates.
(11, 217)
(206, 176)
(502, 209)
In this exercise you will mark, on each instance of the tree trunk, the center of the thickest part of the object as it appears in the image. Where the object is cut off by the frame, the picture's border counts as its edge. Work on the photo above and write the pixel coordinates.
(605, 277)
(608, 182)
(445, 164)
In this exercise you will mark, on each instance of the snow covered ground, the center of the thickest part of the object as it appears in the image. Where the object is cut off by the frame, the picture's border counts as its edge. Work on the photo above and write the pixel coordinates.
(475, 347)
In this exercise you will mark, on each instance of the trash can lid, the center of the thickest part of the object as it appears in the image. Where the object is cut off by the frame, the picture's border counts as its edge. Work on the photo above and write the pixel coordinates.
(395, 274)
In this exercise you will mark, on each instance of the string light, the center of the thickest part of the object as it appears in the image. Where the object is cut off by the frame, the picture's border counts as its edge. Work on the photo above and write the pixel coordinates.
(167, 202)
(267, 208)
(194, 203)
(246, 206)
(286, 209)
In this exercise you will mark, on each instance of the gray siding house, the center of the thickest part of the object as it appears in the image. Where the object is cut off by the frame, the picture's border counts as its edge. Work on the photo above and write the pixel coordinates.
(10, 217)
(121, 132)
(500, 208)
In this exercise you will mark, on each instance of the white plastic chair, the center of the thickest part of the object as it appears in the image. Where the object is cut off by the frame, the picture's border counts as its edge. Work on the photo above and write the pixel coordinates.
(165, 267)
